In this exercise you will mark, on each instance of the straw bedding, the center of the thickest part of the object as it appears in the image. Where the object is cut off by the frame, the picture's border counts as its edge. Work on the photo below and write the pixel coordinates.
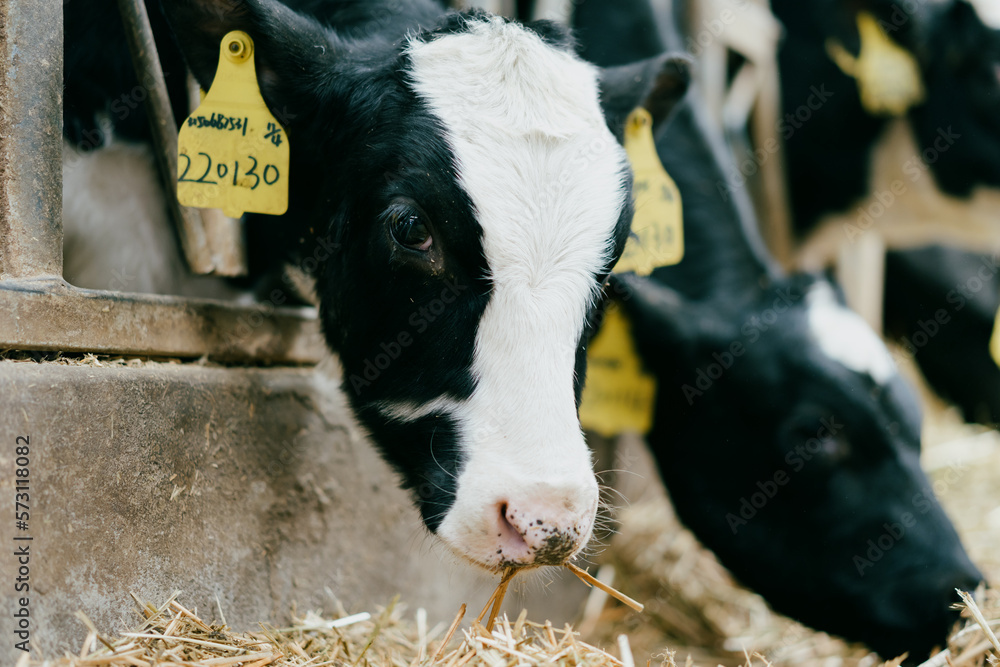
(171, 634)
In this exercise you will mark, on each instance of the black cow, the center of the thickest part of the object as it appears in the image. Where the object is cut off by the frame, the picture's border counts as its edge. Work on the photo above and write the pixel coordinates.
(788, 442)
(459, 199)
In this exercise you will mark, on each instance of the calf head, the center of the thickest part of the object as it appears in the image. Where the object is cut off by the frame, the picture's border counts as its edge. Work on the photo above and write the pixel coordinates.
(790, 446)
(465, 198)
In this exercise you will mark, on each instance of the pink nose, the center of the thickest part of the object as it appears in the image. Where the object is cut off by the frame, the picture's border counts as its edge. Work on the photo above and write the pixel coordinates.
(540, 532)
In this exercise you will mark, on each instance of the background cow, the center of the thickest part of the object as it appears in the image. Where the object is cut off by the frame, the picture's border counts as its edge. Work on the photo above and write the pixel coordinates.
(785, 436)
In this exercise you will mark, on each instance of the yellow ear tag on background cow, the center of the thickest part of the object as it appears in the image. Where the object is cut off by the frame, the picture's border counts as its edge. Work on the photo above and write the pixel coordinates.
(232, 152)
(658, 222)
(619, 395)
(887, 74)
(995, 341)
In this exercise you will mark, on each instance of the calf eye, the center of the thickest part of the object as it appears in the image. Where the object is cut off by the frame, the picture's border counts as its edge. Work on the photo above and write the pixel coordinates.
(836, 449)
(408, 227)
(812, 442)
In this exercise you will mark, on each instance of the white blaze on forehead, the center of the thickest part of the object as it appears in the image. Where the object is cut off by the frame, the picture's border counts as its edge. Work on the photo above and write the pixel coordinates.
(545, 176)
(844, 336)
(989, 12)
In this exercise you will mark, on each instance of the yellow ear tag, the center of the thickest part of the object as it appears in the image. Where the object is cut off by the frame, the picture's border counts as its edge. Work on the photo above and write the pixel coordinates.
(619, 395)
(657, 226)
(887, 74)
(232, 153)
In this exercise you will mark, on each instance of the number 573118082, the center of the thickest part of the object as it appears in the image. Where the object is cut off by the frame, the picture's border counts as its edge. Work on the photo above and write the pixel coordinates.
(247, 173)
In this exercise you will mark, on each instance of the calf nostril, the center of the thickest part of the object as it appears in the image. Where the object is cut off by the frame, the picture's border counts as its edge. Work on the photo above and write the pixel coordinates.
(523, 538)
(512, 544)
(505, 520)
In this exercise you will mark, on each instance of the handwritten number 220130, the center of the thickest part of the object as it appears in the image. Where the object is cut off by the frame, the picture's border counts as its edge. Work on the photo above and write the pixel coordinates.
(270, 175)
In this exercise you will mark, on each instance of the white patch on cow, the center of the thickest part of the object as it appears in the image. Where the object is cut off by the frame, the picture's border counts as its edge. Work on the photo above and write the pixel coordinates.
(988, 11)
(545, 175)
(845, 337)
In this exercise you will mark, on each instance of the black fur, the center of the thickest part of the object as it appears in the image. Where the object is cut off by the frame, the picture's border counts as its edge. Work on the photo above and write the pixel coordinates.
(940, 305)
(100, 80)
(827, 149)
(787, 504)
(404, 328)
(960, 60)
(662, 80)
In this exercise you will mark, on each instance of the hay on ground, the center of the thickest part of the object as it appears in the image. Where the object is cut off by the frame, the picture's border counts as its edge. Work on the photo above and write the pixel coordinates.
(171, 634)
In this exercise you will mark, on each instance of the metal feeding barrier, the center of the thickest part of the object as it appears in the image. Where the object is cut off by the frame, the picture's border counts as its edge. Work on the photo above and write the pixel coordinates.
(39, 310)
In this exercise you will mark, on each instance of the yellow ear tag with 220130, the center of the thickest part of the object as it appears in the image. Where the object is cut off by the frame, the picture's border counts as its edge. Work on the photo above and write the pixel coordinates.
(232, 152)
(620, 395)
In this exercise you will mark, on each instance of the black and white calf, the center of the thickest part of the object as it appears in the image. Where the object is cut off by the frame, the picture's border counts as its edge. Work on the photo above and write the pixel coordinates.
(788, 442)
(469, 198)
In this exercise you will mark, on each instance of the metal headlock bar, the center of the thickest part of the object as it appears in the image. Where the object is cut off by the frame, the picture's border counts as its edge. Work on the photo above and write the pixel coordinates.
(38, 309)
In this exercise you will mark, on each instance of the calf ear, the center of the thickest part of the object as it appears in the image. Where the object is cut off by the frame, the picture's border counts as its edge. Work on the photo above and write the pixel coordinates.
(656, 84)
(289, 48)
